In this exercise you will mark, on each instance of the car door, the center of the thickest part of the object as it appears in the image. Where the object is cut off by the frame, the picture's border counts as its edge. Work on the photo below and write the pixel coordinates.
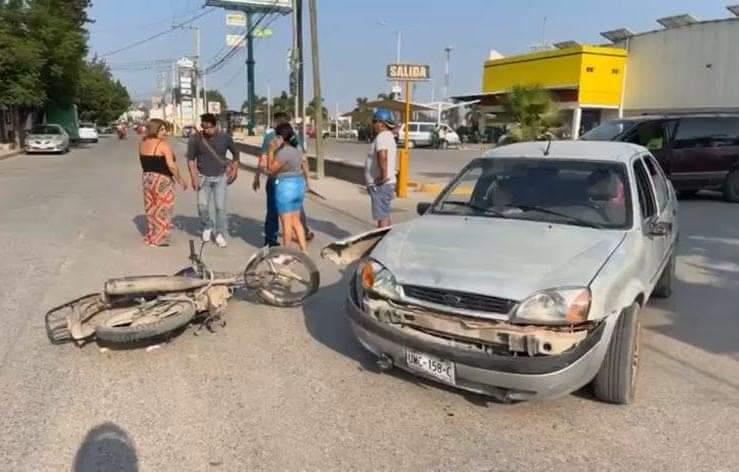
(655, 246)
(705, 149)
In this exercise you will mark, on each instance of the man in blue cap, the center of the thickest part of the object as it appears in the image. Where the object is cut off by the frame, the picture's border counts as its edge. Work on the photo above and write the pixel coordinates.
(379, 168)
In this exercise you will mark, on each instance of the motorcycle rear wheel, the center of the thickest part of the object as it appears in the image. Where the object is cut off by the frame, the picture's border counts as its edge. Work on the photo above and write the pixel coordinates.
(273, 275)
(172, 316)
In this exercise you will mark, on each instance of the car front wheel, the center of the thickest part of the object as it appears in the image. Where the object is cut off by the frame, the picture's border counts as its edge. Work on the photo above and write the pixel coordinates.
(731, 187)
(616, 380)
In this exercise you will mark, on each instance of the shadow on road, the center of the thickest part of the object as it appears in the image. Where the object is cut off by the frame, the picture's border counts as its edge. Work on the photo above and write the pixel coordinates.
(703, 308)
(328, 228)
(106, 447)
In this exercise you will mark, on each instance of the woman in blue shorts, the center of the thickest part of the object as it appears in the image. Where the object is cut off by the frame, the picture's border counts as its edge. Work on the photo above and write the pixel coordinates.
(284, 165)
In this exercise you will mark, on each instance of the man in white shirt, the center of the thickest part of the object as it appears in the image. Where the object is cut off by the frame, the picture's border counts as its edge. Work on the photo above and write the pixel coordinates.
(379, 169)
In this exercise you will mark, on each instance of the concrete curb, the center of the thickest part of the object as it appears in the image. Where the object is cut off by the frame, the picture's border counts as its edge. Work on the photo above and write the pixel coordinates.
(10, 154)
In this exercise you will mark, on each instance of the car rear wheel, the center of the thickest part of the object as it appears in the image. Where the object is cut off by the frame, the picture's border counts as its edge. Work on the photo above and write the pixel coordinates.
(731, 187)
(616, 380)
(663, 289)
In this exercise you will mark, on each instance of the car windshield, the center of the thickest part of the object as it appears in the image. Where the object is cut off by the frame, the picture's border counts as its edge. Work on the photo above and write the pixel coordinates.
(567, 191)
(45, 129)
(87, 125)
(608, 131)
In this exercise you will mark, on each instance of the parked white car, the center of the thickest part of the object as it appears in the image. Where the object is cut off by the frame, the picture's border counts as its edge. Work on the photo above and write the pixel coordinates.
(88, 133)
(47, 138)
(422, 135)
(525, 278)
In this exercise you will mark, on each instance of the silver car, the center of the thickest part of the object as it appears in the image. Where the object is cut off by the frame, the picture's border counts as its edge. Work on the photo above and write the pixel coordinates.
(47, 138)
(526, 276)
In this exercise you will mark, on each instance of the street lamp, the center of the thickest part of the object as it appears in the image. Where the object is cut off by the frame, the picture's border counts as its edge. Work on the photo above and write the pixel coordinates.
(398, 41)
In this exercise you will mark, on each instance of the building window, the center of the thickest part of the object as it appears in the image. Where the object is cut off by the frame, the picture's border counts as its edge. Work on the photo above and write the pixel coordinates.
(590, 69)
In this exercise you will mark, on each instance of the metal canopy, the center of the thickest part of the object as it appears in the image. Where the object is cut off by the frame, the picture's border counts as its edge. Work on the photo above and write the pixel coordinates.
(734, 9)
(617, 35)
(253, 6)
(677, 21)
(567, 44)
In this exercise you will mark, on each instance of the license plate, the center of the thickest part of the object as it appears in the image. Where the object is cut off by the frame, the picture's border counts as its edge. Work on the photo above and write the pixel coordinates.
(440, 369)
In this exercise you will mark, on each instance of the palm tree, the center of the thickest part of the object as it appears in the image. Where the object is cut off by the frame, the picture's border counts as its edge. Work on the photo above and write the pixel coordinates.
(310, 110)
(260, 109)
(532, 111)
(386, 96)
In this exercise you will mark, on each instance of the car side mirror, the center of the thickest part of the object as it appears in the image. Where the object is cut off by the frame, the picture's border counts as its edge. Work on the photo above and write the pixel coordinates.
(422, 207)
(659, 228)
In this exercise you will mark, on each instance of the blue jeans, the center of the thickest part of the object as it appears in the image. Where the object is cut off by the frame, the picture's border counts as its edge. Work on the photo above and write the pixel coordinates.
(212, 189)
(272, 221)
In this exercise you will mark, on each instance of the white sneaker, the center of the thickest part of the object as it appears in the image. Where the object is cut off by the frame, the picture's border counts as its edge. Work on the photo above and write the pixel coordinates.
(221, 241)
(207, 234)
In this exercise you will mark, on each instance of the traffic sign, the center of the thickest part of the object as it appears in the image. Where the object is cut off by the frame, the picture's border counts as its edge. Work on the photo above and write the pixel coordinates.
(408, 72)
(236, 18)
(235, 40)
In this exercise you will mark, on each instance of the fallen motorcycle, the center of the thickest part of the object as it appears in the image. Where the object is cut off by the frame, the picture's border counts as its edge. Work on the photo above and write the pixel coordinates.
(137, 309)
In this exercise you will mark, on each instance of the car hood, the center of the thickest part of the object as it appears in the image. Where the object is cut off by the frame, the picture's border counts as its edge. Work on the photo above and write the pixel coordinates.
(505, 258)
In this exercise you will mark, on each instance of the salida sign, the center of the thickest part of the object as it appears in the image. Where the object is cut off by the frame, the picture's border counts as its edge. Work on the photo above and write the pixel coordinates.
(410, 72)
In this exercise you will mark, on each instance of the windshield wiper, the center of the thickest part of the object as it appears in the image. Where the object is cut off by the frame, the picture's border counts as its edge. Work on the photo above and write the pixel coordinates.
(570, 219)
(481, 209)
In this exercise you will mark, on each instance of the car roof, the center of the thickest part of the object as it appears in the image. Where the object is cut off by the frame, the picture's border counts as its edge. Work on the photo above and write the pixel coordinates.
(677, 116)
(606, 151)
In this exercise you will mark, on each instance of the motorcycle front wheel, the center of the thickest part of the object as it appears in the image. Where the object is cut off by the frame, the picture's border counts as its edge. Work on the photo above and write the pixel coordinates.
(283, 277)
(145, 323)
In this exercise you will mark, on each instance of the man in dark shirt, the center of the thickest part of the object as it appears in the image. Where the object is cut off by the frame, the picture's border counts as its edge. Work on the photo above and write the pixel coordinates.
(211, 173)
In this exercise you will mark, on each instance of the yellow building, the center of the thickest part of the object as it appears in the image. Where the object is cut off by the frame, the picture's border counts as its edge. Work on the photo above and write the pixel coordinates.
(586, 81)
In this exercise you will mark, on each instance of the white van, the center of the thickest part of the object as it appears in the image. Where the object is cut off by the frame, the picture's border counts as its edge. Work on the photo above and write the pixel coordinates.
(421, 134)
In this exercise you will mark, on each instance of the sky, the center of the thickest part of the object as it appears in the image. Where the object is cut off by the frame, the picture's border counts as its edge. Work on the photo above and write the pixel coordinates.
(357, 39)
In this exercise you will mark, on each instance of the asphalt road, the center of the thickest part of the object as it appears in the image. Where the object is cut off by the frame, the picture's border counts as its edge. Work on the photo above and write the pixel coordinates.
(426, 164)
(290, 389)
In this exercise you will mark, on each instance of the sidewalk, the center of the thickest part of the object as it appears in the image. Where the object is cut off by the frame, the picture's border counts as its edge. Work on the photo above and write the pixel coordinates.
(8, 153)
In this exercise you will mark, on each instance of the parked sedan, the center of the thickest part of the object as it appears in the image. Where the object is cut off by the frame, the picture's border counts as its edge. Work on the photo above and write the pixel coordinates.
(47, 138)
(88, 133)
(526, 277)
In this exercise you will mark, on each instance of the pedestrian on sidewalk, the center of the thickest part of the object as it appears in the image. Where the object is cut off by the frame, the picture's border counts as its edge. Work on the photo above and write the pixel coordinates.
(271, 221)
(160, 173)
(285, 165)
(211, 173)
(380, 167)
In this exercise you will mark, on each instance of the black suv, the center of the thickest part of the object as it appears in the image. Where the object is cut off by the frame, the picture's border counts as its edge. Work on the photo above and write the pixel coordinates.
(697, 151)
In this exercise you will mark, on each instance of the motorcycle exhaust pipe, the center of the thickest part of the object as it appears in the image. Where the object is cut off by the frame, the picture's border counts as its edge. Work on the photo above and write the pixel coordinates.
(152, 284)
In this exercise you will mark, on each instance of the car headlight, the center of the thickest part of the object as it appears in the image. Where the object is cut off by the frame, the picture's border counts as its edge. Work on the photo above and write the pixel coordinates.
(374, 278)
(555, 306)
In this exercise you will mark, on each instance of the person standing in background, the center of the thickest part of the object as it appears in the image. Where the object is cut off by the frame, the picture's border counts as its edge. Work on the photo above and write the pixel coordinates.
(160, 173)
(211, 173)
(271, 221)
(284, 164)
(379, 168)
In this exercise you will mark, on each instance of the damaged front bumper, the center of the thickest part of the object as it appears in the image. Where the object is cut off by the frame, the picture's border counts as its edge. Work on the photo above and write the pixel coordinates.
(505, 361)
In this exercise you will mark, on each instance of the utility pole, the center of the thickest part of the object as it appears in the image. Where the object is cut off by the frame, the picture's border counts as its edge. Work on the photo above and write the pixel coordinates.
(448, 51)
(196, 108)
(250, 73)
(299, 65)
(269, 106)
(317, 102)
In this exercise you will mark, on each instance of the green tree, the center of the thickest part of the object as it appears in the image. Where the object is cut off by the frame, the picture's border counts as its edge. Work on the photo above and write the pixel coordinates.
(261, 109)
(284, 103)
(310, 109)
(215, 96)
(101, 98)
(387, 96)
(21, 61)
(362, 114)
(532, 111)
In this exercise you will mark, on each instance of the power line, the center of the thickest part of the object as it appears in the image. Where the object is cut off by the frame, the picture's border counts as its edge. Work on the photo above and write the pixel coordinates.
(162, 33)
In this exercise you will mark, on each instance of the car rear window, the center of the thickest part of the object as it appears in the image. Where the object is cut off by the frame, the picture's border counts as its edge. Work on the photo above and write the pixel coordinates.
(708, 131)
(426, 127)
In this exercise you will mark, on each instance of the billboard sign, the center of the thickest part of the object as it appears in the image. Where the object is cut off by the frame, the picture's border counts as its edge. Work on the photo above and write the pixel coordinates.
(235, 40)
(214, 108)
(408, 72)
(262, 6)
(236, 18)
